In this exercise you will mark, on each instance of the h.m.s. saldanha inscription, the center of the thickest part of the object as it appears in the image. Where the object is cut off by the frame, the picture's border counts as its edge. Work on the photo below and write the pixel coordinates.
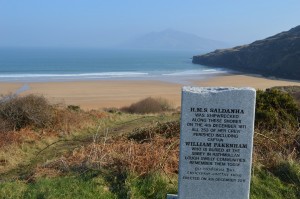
(216, 142)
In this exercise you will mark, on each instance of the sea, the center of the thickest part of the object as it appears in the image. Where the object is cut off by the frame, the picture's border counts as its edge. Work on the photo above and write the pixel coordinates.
(51, 64)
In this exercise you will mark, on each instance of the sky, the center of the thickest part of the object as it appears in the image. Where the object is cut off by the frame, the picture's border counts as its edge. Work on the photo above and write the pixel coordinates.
(106, 23)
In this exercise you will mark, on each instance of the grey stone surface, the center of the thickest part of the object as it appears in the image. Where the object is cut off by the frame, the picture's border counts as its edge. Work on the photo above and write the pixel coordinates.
(172, 196)
(216, 141)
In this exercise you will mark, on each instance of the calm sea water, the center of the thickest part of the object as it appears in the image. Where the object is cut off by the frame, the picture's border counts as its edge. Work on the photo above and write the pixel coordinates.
(37, 65)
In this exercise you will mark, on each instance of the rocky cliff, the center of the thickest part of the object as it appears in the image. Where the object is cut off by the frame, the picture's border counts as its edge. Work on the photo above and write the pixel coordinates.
(278, 56)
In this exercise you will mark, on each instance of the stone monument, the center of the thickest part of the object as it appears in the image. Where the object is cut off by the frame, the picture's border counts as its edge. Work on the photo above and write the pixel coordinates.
(216, 141)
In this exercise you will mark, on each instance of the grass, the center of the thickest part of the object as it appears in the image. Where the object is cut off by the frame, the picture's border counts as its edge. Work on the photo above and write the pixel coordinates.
(266, 185)
(64, 187)
(152, 186)
(89, 186)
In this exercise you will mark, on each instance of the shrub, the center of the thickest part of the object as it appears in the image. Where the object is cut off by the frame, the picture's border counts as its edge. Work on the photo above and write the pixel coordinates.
(276, 136)
(74, 108)
(18, 112)
(167, 130)
(294, 91)
(276, 110)
(112, 110)
(148, 105)
(5, 126)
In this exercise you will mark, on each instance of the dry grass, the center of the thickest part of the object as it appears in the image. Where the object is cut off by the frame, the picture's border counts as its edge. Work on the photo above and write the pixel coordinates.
(25, 135)
(273, 147)
(65, 121)
(156, 149)
(11, 156)
(45, 172)
(19, 146)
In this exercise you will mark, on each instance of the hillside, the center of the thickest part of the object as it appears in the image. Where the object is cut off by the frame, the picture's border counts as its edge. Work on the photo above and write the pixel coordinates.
(66, 152)
(278, 56)
(173, 40)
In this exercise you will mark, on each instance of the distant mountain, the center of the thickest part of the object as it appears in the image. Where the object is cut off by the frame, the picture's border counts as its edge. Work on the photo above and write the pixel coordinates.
(277, 56)
(173, 40)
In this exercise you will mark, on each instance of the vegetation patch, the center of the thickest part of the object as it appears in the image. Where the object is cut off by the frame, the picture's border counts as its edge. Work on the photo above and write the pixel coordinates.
(276, 110)
(151, 186)
(276, 137)
(125, 154)
(294, 91)
(64, 187)
(288, 172)
(110, 154)
(265, 185)
(18, 112)
(149, 105)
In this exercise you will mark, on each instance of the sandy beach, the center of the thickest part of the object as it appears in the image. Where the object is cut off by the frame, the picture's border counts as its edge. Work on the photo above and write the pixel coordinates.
(118, 93)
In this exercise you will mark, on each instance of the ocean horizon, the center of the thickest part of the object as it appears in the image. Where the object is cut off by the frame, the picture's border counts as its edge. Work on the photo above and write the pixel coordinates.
(46, 65)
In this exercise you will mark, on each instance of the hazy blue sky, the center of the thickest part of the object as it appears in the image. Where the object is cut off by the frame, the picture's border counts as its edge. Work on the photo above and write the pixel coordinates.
(100, 23)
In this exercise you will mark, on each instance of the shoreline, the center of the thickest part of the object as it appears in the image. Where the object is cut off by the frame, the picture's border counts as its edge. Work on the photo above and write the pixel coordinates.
(97, 94)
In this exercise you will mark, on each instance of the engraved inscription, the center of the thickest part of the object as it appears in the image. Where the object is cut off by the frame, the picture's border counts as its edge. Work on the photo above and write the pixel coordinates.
(218, 154)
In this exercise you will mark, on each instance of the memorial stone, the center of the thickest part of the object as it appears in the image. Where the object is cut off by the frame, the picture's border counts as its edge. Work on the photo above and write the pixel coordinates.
(216, 141)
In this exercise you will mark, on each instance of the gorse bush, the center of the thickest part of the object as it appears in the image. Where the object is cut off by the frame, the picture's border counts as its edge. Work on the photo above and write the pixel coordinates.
(18, 112)
(277, 137)
(149, 105)
(294, 91)
(276, 110)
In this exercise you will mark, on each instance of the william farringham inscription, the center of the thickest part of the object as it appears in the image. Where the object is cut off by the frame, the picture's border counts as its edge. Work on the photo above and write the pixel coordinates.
(216, 143)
